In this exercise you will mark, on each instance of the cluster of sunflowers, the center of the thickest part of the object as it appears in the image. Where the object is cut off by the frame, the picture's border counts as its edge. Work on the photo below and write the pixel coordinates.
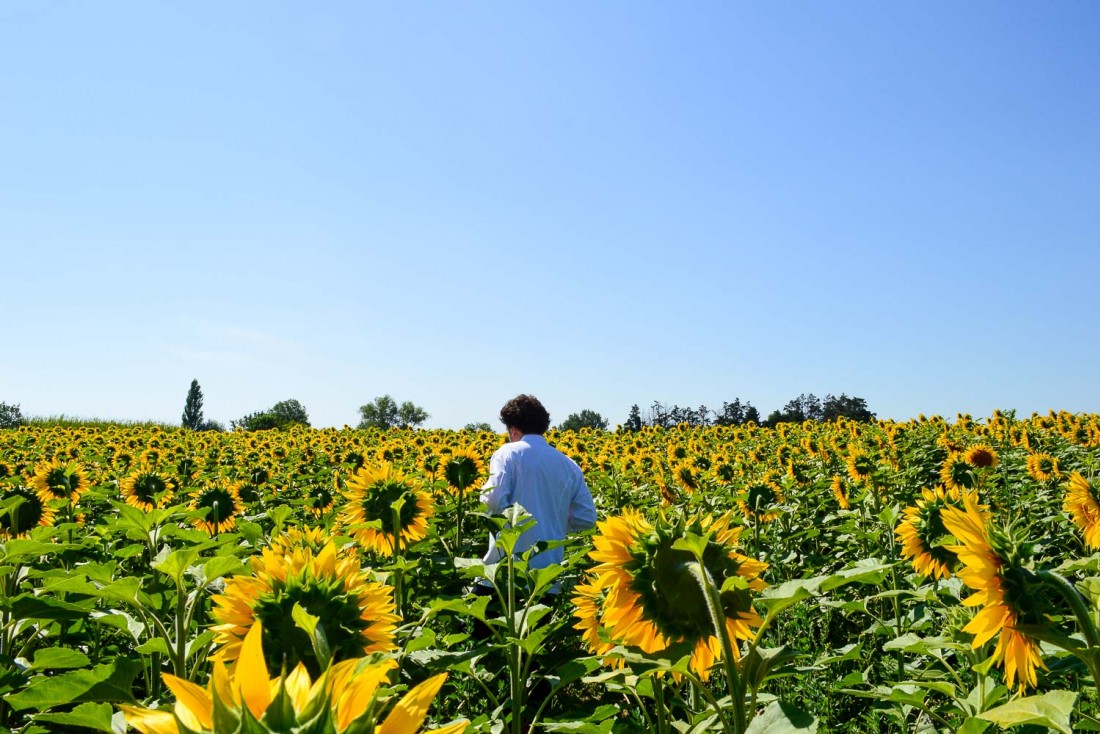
(763, 502)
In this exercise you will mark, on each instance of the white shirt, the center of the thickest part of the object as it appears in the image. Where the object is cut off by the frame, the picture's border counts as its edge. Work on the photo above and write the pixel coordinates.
(548, 484)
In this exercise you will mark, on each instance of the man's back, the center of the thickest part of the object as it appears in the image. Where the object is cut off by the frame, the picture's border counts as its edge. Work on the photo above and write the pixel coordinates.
(548, 484)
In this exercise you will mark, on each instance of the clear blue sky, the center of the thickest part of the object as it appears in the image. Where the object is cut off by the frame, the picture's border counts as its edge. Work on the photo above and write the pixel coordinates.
(599, 203)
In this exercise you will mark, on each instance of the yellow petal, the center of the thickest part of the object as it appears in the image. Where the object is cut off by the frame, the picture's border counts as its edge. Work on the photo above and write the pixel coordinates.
(193, 704)
(297, 687)
(148, 721)
(251, 672)
(354, 696)
(455, 728)
(410, 711)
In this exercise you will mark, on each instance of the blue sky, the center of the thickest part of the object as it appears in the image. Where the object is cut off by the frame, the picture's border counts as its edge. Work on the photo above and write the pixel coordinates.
(601, 204)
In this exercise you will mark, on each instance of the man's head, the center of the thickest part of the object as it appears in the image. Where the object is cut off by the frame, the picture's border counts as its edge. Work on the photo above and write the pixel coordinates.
(525, 414)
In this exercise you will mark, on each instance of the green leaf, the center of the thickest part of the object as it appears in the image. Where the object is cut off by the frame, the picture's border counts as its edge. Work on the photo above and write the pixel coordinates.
(176, 563)
(58, 658)
(157, 644)
(87, 715)
(27, 606)
(109, 682)
(1051, 710)
(972, 726)
(781, 717)
(220, 566)
(312, 626)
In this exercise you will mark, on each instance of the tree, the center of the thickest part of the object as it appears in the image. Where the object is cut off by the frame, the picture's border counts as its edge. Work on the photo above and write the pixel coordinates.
(384, 412)
(736, 414)
(283, 414)
(289, 412)
(585, 419)
(10, 416)
(634, 420)
(192, 407)
(475, 427)
(852, 408)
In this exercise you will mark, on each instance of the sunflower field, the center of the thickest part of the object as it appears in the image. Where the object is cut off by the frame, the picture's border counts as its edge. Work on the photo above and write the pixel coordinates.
(919, 576)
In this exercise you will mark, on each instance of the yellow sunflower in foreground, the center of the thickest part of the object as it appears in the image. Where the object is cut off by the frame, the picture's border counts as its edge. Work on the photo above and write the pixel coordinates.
(356, 612)
(146, 488)
(348, 697)
(1083, 507)
(642, 595)
(368, 511)
(921, 533)
(992, 564)
(222, 499)
(59, 480)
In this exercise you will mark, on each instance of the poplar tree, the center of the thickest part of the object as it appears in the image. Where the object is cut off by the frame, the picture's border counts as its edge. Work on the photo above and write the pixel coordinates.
(192, 409)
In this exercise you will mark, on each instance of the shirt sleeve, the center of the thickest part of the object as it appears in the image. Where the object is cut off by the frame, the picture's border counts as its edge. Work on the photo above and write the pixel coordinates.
(500, 486)
(582, 511)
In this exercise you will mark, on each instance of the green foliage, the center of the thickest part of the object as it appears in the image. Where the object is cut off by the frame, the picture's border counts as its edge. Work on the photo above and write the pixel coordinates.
(585, 419)
(10, 416)
(283, 414)
(192, 407)
(384, 412)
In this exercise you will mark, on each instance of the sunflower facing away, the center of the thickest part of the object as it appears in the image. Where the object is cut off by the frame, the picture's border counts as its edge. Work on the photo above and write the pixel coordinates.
(368, 509)
(992, 564)
(357, 612)
(346, 698)
(146, 488)
(957, 472)
(840, 492)
(642, 595)
(1043, 467)
(1082, 506)
(59, 480)
(223, 500)
(461, 468)
(921, 533)
(981, 456)
(22, 516)
(761, 500)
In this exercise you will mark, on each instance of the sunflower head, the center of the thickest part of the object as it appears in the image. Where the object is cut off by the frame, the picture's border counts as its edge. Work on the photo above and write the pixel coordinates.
(840, 492)
(23, 510)
(1043, 467)
(462, 468)
(760, 500)
(861, 465)
(922, 533)
(981, 456)
(60, 480)
(957, 472)
(357, 613)
(370, 498)
(146, 488)
(1083, 505)
(347, 697)
(222, 499)
(643, 593)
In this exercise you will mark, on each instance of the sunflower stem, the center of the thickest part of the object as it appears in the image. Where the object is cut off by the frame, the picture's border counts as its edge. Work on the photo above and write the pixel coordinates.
(718, 619)
(1077, 603)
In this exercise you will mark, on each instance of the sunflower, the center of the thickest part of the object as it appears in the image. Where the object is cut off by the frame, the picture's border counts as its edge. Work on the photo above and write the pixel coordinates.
(840, 492)
(223, 500)
(981, 456)
(248, 699)
(860, 466)
(921, 532)
(1082, 505)
(761, 500)
(59, 480)
(368, 509)
(992, 564)
(461, 469)
(956, 472)
(1043, 467)
(146, 489)
(313, 539)
(641, 594)
(686, 475)
(19, 517)
(356, 612)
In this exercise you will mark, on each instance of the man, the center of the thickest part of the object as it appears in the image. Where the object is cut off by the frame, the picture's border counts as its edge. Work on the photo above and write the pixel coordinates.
(548, 484)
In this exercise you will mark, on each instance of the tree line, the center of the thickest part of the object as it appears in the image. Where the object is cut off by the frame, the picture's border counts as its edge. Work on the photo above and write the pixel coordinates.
(806, 407)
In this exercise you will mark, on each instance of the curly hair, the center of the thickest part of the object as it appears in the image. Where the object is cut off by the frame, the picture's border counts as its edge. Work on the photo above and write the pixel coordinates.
(526, 413)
